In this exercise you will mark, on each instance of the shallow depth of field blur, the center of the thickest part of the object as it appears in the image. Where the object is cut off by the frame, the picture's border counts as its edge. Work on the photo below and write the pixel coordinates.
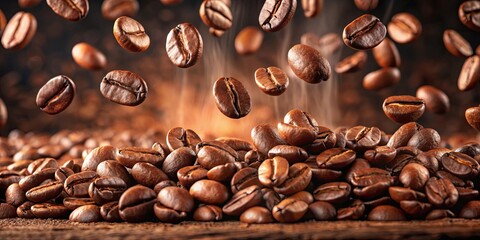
(183, 97)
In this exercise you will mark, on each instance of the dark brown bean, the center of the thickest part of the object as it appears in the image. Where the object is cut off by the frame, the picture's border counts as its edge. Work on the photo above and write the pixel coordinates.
(256, 214)
(56, 95)
(292, 154)
(106, 189)
(208, 213)
(470, 73)
(335, 158)
(19, 31)
(215, 153)
(299, 176)
(135, 204)
(325, 139)
(168, 215)
(178, 159)
(355, 211)
(3, 113)
(178, 199)
(386, 54)
(471, 210)
(403, 108)
(188, 175)
(352, 63)
(222, 173)
(96, 156)
(414, 176)
(179, 137)
(265, 137)
(323, 211)
(460, 164)
(130, 34)
(473, 117)
(242, 200)
(364, 177)
(112, 168)
(273, 172)
(124, 87)
(24, 210)
(404, 28)
(72, 10)
(88, 57)
(272, 80)
(365, 32)
(28, 3)
(425, 139)
(231, 97)
(435, 99)
(296, 135)
(439, 214)
(147, 174)
(36, 179)
(184, 45)
(77, 184)
(45, 192)
(216, 14)
(3, 21)
(49, 210)
(289, 210)
(382, 78)
(86, 214)
(456, 44)
(72, 203)
(244, 178)
(363, 138)
(386, 213)
(275, 14)
(334, 192)
(113, 9)
(312, 8)
(110, 213)
(380, 155)
(209, 192)
(14, 195)
(441, 192)
(469, 14)
(248, 40)
(399, 194)
(308, 64)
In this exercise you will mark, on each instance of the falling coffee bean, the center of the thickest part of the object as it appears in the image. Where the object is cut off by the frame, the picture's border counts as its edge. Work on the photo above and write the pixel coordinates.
(248, 40)
(19, 31)
(404, 28)
(56, 95)
(404, 108)
(113, 9)
(456, 44)
(469, 13)
(130, 34)
(272, 80)
(470, 74)
(352, 63)
(312, 8)
(435, 99)
(365, 32)
(308, 64)
(88, 57)
(216, 14)
(184, 45)
(124, 87)
(380, 79)
(231, 97)
(3, 114)
(276, 14)
(72, 10)
(473, 117)
(386, 54)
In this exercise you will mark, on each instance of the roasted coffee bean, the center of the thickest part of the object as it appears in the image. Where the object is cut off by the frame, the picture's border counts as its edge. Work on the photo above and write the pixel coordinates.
(242, 200)
(129, 156)
(3, 113)
(370, 192)
(472, 149)
(386, 54)
(456, 44)
(86, 214)
(231, 97)
(300, 118)
(136, 203)
(425, 139)
(467, 194)
(265, 137)
(147, 174)
(14, 195)
(335, 158)
(216, 14)
(273, 172)
(404, 28)
(363, 138)
(299, 176)
(403, 108)
(473, 117)
(289, 210)
(469, 13)
(435, 99)
(77, 184)
(352, 63)
(222, 173)
(124, 87)
(296, 135)
(334, 192)
(49, 210)
(308, 64)
(168, 215)
(63, 173)
(382, 78)
(36, 179)
(106, 189)
(312, 8)
(364, 177)
(112, 9)
(179, 137)
(112, 168)
(208, 213)
(276, 14)
(130, 34)
(355, 211)
(110, 213)
(304, 196)
(184, 45)
(24, 210)
(470, 73)
(471, 210)
(458, 182)
(323, 175)
(366, 5)
(439, 214)
(215, 153)
(163, 184)
(441, 192)
(178, 159)
(386, 213)
(403, 134)
(40, 164)
(414, 176)
(72, 10)
(45, 192)
(256, 214)
(72, 203)
(96, 156)
(292, 154)
(236, 144)
(272, 80)
(248, 41)
(323, 211)
(399, 194)
(460, 164)
(177, 199)
(88, 57)
(325, 139)
(190, 174)
(365, 32)
(270, 198)
(56, 95)
(244, 178)
(209, 192)
(381, 155)
(19, 31)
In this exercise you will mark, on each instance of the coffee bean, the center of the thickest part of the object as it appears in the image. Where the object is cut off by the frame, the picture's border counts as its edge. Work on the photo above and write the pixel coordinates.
(273, 172)
(190, 174)
(435, 99)
(460, 164)
(414, 176)
(168, 215)
(323, 211)
(325, 139)
(289, 210)
(472, 149)
(77, 184)
(176, 198)
(404, 28)
(244, 178)
(441, 192)
(163, 184)
(456, 44)
(96, 156)
(363, 138)
(19, 31)
(334, 192)
(439, 214)
(467, 194)
(63, 173)
(248, 40)
(45, 192)
(49, 210)
(75, 10)
(355, 211)
(425, 139)
(216, 14)
(308, 64)
(470, 74)
(312, 8)
(130, 34)
(292, 154)
(242, 200)
(208, 213)
(386, 213)
(178, 159)
(106, 189)
(386, 54)
(209, 192)
(272, 80)
(215, 153)
(335, 158)
(222, 173)
(458, 182)
(88, 57)
(382, 78)
(300, 118)
(36, 179)
(403, 108)
(380, 155)
(110, 213)
(364, 177)
(469, 13)
(231, 97)
(366, 5)
(352, 63)
(14, 195)
(86, 214)
(56, 95)
(3, 114)
(129, 156)
(471, 210)
(179, 137)
(136, 203)
(296, 135)
(365, 32)
(113, 9)
(403, 134)
(399, 194)
(112, 168)
(256, 214)
(24, 210)
(299, 176)
(124, 87)
(72, 203)
(147, 174)
(265, 137)
(275, 14)
(184, 45)
(473, 117)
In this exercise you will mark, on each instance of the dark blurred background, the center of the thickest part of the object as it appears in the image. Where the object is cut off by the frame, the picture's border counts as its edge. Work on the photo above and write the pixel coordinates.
(183, 97)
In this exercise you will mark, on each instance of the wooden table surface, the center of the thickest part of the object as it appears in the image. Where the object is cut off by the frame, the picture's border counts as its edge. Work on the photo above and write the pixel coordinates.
(63, 229)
